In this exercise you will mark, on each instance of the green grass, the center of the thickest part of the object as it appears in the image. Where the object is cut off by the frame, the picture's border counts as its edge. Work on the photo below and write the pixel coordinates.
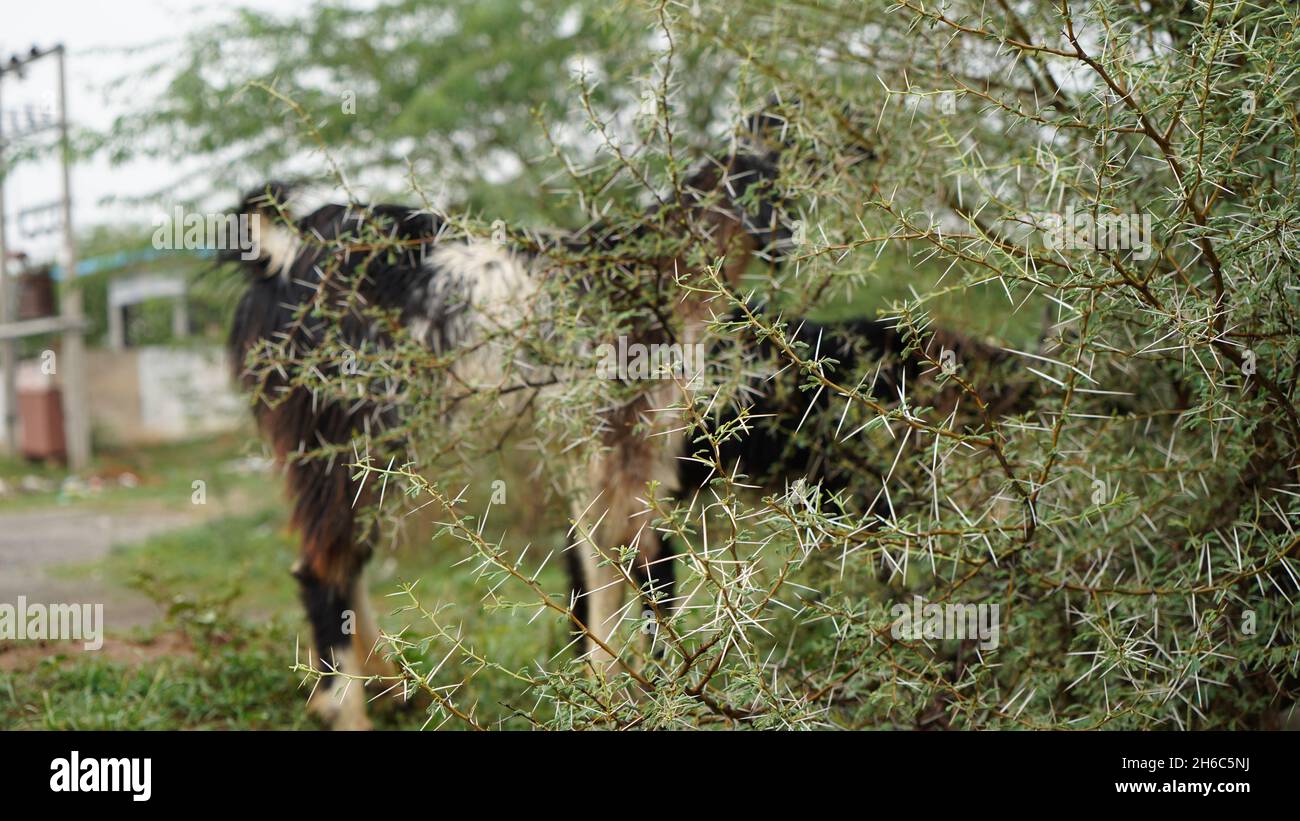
(166, 474)
(245, 558)
(244, 683)
(225, 587)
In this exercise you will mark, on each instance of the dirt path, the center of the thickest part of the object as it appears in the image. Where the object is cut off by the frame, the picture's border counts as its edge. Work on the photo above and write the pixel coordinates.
(34, 543)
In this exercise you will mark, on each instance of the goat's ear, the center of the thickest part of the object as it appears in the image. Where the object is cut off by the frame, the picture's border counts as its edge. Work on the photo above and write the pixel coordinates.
(271, 198)
(267, 237)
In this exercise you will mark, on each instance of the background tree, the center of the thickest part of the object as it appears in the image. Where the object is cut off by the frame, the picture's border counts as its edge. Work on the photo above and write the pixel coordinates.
(447, 92)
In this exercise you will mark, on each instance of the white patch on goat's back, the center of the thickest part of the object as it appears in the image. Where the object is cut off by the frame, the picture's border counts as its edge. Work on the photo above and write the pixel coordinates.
(421, 327)
(478, 297)
(495, 281)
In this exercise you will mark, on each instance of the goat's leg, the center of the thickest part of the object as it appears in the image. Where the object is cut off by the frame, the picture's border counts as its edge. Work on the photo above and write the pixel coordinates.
(602, 529)
(367, 636)
(603, 592)
(604, 582)
(337, 699)
(611, 514)
(657, 577)
(577, 590)
(329, 572)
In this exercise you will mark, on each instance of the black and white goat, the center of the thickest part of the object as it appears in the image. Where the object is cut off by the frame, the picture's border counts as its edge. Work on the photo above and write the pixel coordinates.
(454, 293)
(448, 293)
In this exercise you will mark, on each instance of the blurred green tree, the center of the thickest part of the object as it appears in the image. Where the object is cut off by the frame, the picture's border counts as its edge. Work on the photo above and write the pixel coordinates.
(447, 92)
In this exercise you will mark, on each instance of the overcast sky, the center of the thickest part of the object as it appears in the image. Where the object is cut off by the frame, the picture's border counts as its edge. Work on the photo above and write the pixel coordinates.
(94, 32)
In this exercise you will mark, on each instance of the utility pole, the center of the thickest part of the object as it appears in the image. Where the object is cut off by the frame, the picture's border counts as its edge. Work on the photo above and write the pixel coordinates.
(71, 361)
(9, 347)
(76, 424)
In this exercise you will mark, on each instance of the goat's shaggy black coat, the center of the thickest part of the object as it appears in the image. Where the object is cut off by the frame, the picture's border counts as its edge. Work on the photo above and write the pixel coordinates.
(772, 450)
(281, 282)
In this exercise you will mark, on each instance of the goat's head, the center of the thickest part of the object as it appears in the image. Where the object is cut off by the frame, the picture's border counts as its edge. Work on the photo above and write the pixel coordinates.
(273, 240)
(737, 202)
